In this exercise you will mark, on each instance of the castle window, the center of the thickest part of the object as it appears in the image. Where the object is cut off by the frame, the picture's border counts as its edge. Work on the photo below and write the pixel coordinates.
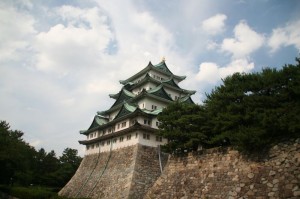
(147, 122)
(87, 147)
(118, 126)
(136, 135)
(121, 139)
(133, 122)
(108, 142)
(129, 137)
(102, 143)
(103, 132)
(123, 124)
(92, 147)
(158, 138)
(146, 136)
(154, 107)
(97, 145)
(91, 135)
(115, 140)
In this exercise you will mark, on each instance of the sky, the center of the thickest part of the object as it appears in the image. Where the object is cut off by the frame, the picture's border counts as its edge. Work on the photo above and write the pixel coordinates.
(60, 59)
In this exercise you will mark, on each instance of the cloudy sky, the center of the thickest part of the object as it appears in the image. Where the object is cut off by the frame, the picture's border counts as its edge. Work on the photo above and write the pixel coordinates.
(60, 59)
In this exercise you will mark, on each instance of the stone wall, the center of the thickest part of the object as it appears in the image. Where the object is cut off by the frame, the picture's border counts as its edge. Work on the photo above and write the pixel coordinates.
(125, 173)
(224, 173)
(146, 171)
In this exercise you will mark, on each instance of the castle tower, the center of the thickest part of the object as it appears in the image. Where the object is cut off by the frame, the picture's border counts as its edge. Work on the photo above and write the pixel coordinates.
(121, 142)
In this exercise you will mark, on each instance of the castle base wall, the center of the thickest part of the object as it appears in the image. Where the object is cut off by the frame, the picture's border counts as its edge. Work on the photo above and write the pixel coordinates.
(224, 173)
(124, 173)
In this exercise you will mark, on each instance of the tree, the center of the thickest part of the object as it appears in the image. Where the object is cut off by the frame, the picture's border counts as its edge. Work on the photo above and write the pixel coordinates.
(255, 110)
(69, 162)
(181, 124)
(70, 156)
(249, 111)
(15, 156)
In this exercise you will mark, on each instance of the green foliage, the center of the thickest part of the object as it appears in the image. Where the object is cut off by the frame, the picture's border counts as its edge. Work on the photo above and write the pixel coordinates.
(181, 124)
(32, 192)
(21, 164)
(249, 111)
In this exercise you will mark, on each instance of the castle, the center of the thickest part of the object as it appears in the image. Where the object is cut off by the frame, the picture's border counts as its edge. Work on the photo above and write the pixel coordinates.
(122, 144)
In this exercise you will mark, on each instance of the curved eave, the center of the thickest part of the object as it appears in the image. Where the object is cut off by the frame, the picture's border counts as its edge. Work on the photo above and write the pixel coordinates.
(126, 109)
(160, 89)
(170, 82)
(114, 96)
(126, 94)
(145, 94)
(190, 92)
(147, 78)
(137, 112)
(187, 99)
(168, 72)
(136, 126)
(96, 123)
(147, 68)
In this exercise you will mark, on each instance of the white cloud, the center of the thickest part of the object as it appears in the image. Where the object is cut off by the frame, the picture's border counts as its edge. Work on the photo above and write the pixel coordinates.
(288, 35)
(16, 32)
(211, 73)
(214, 25)
(211, 45)
(245, 41)
(78, 44)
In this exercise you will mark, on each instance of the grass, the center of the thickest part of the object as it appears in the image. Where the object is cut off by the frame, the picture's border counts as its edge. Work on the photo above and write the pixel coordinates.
(32, 192)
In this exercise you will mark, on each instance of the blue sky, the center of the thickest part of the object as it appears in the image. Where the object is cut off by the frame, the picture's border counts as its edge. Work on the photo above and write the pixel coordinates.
(59, 60)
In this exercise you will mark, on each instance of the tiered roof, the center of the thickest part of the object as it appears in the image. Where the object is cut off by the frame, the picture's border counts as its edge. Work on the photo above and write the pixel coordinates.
(126, 101)
(161, 68)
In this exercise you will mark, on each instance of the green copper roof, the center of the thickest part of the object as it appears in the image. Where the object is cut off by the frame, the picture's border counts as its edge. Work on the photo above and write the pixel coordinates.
(154, 112)
(171, 82)
(161, 67)
(160, 92)
(123, 96)
(187, 99)
(125, 110)
(98, 121)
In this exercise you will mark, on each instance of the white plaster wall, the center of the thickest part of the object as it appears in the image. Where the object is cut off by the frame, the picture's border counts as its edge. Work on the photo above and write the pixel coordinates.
(120, 125)
(136, 137)
(172, 92)
(155, 75)
(149, 102)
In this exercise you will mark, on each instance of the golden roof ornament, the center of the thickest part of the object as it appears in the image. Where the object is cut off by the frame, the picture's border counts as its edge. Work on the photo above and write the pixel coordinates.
(163, 59)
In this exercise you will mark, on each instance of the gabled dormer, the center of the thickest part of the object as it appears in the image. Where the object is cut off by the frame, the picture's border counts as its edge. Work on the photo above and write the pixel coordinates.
(186, 99)
(126, 109)
(160, 68)
(98, 121)
(160, 92)
(122, 97)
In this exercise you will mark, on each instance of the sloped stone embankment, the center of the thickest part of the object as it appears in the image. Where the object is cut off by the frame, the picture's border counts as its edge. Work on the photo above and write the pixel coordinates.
(224, 173)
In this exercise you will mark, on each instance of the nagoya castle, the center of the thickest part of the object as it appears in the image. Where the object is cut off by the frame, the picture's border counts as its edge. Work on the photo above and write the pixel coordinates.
(123, 157)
